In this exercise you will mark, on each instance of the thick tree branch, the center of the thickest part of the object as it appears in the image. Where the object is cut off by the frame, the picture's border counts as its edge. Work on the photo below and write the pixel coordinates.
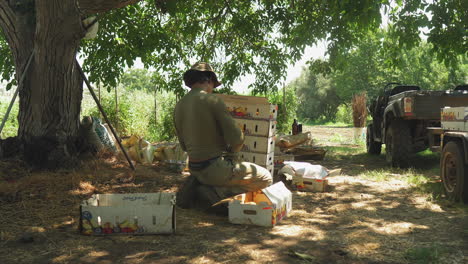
(7, 21)
(100, 6)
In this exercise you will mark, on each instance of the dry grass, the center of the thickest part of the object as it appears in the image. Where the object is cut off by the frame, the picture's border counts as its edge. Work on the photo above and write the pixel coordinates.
(358, 104)
(358, 221)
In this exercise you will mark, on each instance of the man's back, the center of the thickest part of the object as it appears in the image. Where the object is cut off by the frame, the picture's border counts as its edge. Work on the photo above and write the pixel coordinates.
(204, 127)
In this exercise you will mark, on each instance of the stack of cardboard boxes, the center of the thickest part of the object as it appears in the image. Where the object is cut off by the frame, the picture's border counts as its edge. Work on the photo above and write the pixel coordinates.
(256, 117)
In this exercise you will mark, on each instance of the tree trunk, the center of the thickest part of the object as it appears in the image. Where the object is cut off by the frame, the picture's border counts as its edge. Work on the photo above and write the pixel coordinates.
(50, 96)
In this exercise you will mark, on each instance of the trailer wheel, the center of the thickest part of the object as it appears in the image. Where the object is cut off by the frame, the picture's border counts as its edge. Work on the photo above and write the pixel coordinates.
(373, 147)
(453, 172)
(398, 144)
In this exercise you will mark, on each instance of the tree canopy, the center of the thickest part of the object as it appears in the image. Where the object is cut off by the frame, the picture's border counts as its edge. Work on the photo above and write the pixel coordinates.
(240, 37)
(368, 67)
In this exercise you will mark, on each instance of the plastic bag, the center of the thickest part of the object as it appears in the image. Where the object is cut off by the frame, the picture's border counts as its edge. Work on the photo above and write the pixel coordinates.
(307, 170)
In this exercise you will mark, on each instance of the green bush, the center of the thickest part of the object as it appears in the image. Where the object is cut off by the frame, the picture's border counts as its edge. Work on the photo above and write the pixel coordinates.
(136, 114)
(286, 109)
(11, 125)
(163, 128)
(344, 114)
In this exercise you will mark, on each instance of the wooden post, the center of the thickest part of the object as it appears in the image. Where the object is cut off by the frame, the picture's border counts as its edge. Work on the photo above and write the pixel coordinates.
(116, 108)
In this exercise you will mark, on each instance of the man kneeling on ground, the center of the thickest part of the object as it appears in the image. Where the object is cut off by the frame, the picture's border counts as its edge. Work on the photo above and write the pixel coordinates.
(210, 136)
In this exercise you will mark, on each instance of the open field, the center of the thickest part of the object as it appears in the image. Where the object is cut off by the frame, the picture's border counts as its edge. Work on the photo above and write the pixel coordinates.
(371, 214)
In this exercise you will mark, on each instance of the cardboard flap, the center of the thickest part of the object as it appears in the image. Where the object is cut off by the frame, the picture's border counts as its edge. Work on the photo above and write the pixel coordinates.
(131, 199)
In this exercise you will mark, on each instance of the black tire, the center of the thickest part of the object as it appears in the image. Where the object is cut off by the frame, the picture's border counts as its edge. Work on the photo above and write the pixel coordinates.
(398, 144)
(453, 172)
(373, 147)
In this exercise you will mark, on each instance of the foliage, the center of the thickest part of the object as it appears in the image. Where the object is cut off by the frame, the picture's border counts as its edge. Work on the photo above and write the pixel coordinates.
(11, 125)
(368, 67)
(316, 96)
(6, 64)
(137, 79)
(163, 128)
(344, 114)
(135, 114)
(287, 107)
(259, 37)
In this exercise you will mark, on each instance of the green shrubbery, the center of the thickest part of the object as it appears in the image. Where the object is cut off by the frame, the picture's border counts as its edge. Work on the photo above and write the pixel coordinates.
(11, 126)
(136, 113)
(286, 109)
(344, 114)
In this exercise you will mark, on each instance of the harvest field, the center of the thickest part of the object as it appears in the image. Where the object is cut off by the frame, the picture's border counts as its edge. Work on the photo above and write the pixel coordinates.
(370, 214)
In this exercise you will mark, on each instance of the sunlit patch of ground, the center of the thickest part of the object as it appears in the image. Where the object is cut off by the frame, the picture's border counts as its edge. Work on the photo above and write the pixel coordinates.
(371, 214)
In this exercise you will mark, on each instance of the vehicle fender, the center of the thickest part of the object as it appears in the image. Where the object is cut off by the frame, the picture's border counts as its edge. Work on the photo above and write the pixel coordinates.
(390, 113)
(457, 136)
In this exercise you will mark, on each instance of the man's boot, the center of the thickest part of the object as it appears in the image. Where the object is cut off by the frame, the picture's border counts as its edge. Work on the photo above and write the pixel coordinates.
(206, 197)
(186, 195)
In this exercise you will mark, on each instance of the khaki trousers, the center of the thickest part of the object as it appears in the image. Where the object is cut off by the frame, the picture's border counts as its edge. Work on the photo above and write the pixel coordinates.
(231, 177)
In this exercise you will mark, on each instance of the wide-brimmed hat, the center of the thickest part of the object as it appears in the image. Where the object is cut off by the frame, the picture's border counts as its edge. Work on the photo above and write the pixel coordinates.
(203, 67)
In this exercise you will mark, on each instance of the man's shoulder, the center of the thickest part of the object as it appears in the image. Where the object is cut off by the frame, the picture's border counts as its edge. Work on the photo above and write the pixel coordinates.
(211, 98)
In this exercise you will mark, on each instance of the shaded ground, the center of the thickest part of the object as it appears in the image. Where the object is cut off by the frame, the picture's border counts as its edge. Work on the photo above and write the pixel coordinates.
(360, 219)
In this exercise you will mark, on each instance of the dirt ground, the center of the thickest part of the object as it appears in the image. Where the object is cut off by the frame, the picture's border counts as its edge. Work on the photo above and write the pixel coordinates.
(358, 220)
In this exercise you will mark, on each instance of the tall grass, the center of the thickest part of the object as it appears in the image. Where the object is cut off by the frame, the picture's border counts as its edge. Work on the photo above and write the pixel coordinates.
(359, 110)
(136, 114)
(11, 126)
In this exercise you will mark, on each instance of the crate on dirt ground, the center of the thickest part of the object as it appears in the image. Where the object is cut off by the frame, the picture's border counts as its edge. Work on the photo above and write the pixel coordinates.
(264, 208)
(454, 118)
(260, 128)
(259, 144)
(249, 107)
(315, 185)
(135, 213)
(261, 159)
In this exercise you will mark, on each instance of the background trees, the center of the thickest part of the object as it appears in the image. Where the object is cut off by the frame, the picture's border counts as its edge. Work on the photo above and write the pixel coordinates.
(239, 37)
(368, 66)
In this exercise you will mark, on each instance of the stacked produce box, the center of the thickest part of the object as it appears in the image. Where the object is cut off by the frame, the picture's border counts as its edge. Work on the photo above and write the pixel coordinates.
(257, 119)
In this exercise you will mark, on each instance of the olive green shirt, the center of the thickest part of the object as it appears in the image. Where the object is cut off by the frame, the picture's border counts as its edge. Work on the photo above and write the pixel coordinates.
(204, 127)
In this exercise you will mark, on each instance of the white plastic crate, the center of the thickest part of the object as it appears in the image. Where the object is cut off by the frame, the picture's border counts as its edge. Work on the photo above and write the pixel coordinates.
(262, 128)
(135, 213)
(454, 118)
(264, 208)
(263, 160)
(259, 144)
(249, 107)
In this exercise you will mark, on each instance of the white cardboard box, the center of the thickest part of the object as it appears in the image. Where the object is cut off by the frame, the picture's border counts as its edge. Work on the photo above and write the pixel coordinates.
(135, 213)
(259, 144)
(250, 107)
(264, 208)
(315, 185)
(261, 128)
(271, 169)
(258, 158)
(454, 118)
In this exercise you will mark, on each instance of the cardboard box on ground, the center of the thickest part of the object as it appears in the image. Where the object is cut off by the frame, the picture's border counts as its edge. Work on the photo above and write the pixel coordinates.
(265, 207)
(135, 213)
(306, 176)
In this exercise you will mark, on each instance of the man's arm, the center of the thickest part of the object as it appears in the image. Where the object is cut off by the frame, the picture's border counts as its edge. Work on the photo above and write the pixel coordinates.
(232, 134)
(179, 135)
